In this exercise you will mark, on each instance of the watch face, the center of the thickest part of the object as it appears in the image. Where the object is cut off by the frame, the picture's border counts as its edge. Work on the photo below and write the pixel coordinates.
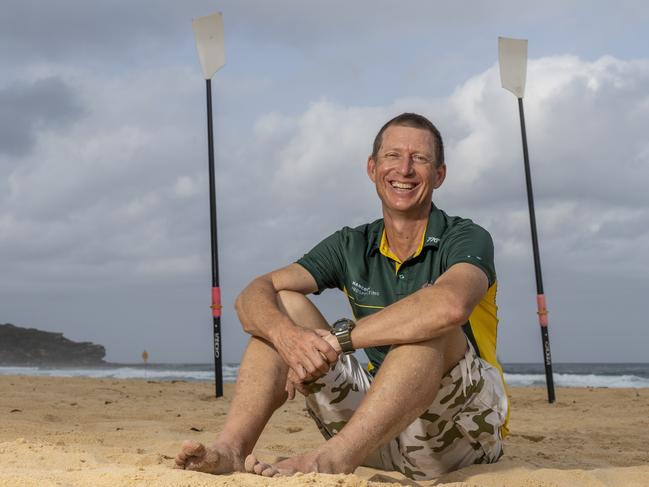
(341, 325)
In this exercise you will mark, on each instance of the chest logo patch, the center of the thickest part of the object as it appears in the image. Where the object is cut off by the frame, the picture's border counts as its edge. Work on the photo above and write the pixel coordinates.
(434, 240)
(361, 290)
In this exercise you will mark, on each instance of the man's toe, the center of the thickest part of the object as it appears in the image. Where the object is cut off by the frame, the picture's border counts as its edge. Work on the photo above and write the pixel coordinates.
(190, 456)
(179, 461)
(269, 471)
(250, 463)
(260, 468)
(192, 448)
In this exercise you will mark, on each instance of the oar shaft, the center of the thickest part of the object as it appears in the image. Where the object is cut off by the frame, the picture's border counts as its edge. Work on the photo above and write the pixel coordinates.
(216, 291)
(530, 202)
(540, 295)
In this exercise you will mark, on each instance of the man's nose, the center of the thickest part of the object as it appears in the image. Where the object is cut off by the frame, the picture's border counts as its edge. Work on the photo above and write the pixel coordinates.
(405, 165)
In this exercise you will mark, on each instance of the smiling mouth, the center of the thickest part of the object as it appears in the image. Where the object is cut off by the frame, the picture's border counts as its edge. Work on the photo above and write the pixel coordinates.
(399, 186)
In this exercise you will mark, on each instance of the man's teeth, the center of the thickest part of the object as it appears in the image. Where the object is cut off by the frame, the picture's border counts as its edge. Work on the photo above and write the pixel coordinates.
(398, 185)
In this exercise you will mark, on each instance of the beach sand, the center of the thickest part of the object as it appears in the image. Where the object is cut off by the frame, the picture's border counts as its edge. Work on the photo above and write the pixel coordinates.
(91, 432)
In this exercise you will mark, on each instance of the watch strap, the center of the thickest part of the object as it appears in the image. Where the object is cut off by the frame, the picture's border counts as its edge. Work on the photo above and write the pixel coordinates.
(342, 330)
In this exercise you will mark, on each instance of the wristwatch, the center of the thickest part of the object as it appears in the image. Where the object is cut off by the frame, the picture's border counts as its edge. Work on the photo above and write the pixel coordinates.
(342, 330)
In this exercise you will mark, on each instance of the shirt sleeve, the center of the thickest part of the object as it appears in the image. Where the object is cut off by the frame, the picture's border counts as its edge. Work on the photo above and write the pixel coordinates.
(326, 263)
(472, 244)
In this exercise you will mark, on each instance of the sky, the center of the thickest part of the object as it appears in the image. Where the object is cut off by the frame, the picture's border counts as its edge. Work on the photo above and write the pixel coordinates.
(104, 213)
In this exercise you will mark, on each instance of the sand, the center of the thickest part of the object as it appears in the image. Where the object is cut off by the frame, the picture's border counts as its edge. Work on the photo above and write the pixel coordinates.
(90, 432)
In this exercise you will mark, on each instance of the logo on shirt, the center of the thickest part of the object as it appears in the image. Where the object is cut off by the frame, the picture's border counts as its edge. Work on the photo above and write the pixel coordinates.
(361, 290)
(434, 240)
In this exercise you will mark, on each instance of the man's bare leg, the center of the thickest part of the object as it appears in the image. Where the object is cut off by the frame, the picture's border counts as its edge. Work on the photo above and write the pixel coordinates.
(404, 388)
(258, 393)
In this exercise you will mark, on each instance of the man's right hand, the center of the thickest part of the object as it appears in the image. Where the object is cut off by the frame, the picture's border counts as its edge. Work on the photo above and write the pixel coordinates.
(305, 351)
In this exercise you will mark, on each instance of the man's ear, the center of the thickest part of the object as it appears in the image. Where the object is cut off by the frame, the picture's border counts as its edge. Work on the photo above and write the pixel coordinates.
(440, 175)
(371, 168)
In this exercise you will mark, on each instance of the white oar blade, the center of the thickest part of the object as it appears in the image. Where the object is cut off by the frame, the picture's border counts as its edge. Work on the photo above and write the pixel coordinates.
(208, 32)
(512, 54)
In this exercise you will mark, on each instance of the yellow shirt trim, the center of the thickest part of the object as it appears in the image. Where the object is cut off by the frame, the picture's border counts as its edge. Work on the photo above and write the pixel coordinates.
(353, 301)
(484, 323)
(384, 248)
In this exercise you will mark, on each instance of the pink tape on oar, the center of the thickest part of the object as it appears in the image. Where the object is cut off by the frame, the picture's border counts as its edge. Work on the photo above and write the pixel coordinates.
(216, 302)
(542, 310)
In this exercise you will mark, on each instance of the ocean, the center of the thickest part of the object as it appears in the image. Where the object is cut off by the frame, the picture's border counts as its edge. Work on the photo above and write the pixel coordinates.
(634, 375)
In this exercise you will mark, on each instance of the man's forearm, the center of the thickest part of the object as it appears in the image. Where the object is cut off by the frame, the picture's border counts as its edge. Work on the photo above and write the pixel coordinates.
(430, 312)
(413, 319)
(258, 309)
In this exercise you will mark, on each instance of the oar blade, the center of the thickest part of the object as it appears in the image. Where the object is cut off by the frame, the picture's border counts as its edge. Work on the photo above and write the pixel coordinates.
(512, 55)
(208, 32)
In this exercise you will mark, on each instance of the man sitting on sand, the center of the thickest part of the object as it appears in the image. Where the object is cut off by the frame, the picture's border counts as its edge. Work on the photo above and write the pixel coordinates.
(422, 288)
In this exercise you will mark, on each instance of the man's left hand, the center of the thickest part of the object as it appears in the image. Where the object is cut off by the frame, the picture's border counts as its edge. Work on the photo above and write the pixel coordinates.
(330, 339)
(294, 383)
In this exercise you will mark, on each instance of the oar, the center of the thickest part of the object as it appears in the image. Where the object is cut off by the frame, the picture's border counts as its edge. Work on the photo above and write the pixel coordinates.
(208, 32)
(512, 54)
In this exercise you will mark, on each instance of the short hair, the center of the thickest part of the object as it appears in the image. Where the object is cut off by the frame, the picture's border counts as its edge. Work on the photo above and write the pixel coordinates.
(413, 120)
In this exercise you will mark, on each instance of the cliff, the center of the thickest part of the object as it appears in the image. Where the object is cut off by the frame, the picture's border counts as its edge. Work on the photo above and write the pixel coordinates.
(28, 346)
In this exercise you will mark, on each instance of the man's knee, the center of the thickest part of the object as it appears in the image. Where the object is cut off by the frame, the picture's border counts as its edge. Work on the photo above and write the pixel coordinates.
(447, 349)
(291, 301)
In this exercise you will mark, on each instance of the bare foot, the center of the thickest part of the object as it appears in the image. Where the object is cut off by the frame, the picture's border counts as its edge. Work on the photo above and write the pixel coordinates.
(252, 465)
(310, 462)
(219, 459)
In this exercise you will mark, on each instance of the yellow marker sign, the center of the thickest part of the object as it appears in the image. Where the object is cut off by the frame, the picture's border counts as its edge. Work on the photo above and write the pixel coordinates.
(145, 356)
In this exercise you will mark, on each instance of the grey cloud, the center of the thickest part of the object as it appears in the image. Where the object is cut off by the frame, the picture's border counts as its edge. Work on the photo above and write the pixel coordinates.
(119, 32)
(28, 107)
(86, 204)
(101, 33)
(46, 28)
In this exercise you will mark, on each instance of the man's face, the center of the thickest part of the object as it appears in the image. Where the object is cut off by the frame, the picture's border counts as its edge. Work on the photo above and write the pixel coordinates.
(405, 172)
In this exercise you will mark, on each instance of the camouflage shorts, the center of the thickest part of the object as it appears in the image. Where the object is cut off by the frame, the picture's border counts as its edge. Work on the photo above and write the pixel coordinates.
(460, 428)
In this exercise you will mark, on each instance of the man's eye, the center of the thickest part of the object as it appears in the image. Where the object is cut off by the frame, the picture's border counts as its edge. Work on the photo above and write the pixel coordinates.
(420, 159)
(392, 155)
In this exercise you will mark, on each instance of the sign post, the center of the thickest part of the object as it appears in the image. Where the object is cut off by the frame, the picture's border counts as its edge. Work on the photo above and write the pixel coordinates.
(208, 32)
(145, 359)
(512, 54)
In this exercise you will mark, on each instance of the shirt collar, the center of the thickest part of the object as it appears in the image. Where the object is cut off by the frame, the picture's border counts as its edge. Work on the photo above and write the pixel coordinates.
(435, 228)
(432, 236)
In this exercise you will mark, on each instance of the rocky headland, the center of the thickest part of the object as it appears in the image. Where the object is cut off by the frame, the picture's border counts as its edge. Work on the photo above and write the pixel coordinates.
(29, 346)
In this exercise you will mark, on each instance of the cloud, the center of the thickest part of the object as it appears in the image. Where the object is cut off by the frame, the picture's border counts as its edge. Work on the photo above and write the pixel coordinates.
(105, 198)
(42, 30)
(30, 107)
(99, 34)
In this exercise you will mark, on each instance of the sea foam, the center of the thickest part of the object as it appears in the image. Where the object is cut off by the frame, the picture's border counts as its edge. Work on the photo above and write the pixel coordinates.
(577, 380)
(205, 373)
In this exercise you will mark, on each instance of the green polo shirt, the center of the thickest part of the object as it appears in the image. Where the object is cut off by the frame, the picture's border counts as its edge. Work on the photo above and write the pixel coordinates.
(359, 262)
